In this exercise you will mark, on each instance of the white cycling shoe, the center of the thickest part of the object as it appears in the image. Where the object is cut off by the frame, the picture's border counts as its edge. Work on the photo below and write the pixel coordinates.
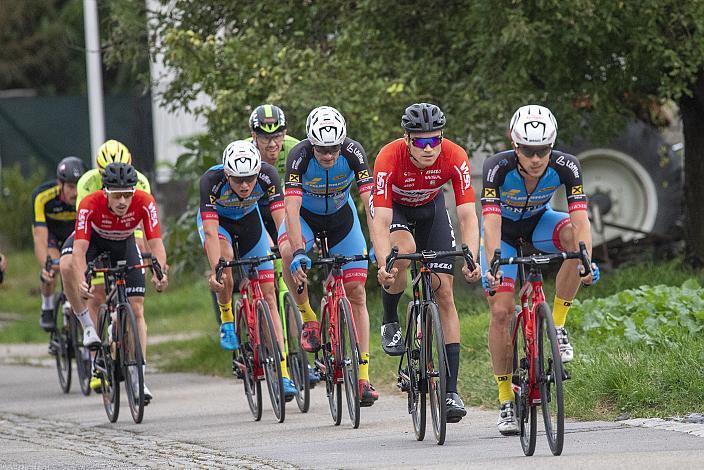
(90, 337)
(566, 349)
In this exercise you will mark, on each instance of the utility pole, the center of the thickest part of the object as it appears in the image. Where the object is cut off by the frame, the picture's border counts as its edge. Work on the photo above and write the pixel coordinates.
(96, 110)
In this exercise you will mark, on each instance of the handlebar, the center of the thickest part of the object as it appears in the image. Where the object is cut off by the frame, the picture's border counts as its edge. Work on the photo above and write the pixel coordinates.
(428, 255)
(334, 260)
(121, 268)
(257, 260)
(542, 259)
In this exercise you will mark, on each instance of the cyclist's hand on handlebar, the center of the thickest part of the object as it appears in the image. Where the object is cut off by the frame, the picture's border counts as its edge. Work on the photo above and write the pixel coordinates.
(216, 286)
(86, 290)
(493, 283)
(47, 276)
(472, 276)
(590, 279)
(162, 284)
(386, 278)
(300, 261)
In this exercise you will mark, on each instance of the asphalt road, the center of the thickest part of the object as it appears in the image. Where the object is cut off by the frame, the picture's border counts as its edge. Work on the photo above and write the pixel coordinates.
(197, 421)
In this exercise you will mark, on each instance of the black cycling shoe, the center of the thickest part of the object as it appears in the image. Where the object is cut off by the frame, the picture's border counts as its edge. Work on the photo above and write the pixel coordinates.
(392, 339)
(46, 320)
(455, 407)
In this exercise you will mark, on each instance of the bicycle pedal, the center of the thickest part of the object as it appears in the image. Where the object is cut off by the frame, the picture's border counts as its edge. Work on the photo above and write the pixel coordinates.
(565, 374)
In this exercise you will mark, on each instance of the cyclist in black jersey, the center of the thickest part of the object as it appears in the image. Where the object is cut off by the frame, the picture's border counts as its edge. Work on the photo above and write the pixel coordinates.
(54, 205)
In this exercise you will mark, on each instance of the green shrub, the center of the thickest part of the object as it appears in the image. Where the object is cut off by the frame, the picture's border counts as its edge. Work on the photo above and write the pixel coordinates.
(16, 205)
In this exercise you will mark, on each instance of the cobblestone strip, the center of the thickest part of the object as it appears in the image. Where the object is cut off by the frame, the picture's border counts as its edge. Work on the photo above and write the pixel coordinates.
(124, 448)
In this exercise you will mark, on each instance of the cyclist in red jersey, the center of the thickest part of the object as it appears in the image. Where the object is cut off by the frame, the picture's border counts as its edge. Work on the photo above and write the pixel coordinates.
(409, 174)
(106, 221)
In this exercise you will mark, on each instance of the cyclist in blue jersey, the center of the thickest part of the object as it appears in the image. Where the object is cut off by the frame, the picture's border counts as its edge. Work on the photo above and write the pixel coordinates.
(229, 219)
(319, 175)
(518, 185)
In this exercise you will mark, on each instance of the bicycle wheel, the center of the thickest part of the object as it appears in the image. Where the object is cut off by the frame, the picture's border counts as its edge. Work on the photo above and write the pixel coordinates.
(59, 342)
(333, 387)
(526, 412)
(106, 367)
(244, 360)
(297, 358)
(80, 353)
(349, 358)
(270, 357)
(435, 362)
(132, 362)
(549, 376)
(416, 392)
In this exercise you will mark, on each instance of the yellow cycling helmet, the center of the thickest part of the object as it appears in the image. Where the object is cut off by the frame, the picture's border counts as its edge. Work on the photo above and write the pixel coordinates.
(112, 151)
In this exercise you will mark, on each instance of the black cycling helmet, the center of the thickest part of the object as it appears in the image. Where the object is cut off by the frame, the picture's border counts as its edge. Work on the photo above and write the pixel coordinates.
(267, 119)
(69, 170)
(119, 175)
(423, 117)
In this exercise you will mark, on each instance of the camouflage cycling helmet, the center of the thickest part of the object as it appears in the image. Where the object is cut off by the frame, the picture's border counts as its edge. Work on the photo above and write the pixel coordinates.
(423, 117)
(267, 119)
(112, 151)
(69, 170)
(119, 175)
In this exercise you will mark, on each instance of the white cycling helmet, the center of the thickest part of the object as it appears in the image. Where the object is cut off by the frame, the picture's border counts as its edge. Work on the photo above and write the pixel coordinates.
(241, 158)
(533, 125)
(325, 126)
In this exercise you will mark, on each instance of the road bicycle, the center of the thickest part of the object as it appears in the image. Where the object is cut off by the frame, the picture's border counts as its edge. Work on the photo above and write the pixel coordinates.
(423, 368)
(119, 355)
(538, 373)
(66, 340)
(292, 325)
(259, 355)
(339, 342)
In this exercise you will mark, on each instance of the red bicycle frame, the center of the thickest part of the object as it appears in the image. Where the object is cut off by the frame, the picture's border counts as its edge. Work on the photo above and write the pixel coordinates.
(534, 290)
(334, 291)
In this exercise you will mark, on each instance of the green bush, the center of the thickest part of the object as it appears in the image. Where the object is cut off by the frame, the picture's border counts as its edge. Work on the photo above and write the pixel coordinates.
(16, 205)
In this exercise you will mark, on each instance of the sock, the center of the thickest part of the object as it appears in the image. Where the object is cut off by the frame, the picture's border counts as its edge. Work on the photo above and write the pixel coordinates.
(85, 320)
(453, 363)
(307, 313)
(505, 387)
(364, 368)
(226, 315)
(48, 302)
(284, 368)
(559, 311)
(390, 303)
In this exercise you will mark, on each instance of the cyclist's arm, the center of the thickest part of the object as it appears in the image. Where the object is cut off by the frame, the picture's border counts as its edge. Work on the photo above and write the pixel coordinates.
(40, 234)
(156, 247)
(212, 243)
(293, 222)
(492, 234)
(78, 259)
(582, 228)
(380, 233)
(367, 210)
(469, 226)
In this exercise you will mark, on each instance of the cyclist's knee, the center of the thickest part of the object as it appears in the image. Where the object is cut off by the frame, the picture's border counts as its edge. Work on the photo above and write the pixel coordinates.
(567, 237)
(66, 267)
(356, 293)
(137, 304)
(502, 308)
(285, 250)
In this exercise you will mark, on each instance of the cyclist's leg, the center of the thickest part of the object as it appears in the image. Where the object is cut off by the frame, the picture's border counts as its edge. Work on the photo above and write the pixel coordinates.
(48, 286)
(555, 233)
(72, 280)
(224, 297)
(502, 307)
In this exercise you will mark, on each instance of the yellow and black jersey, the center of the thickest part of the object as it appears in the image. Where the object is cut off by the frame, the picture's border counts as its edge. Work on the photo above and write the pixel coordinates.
(51, 211)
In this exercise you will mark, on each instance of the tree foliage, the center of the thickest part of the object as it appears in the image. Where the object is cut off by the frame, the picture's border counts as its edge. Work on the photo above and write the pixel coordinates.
(595, 63)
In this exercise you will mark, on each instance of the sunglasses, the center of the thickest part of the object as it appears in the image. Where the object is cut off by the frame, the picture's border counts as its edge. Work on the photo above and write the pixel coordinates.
(120, 193)
(243, 179)
(422, 142)
(267, 139)
(327, 149)
(541, 152)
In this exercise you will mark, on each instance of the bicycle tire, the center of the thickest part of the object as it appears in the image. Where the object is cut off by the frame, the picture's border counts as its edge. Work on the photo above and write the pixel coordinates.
(332, 387)
(270, 357)
(435, 367)
(59, 342)
(297, 357)
(107, 369)
(349, 358)
(245, 356)
(526, 412)
(416, 392)
(81, 354)
(132, 362)
(549, 374)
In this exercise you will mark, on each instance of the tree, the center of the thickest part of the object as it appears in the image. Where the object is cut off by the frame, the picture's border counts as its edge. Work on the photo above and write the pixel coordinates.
(596, 63)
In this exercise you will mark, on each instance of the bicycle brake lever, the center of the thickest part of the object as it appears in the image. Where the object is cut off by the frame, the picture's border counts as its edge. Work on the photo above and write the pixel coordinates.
(301, 286)
(156, 267)
(390, 261)
(584, 258)
(495, 268)
(219, 268)
(468, 258)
